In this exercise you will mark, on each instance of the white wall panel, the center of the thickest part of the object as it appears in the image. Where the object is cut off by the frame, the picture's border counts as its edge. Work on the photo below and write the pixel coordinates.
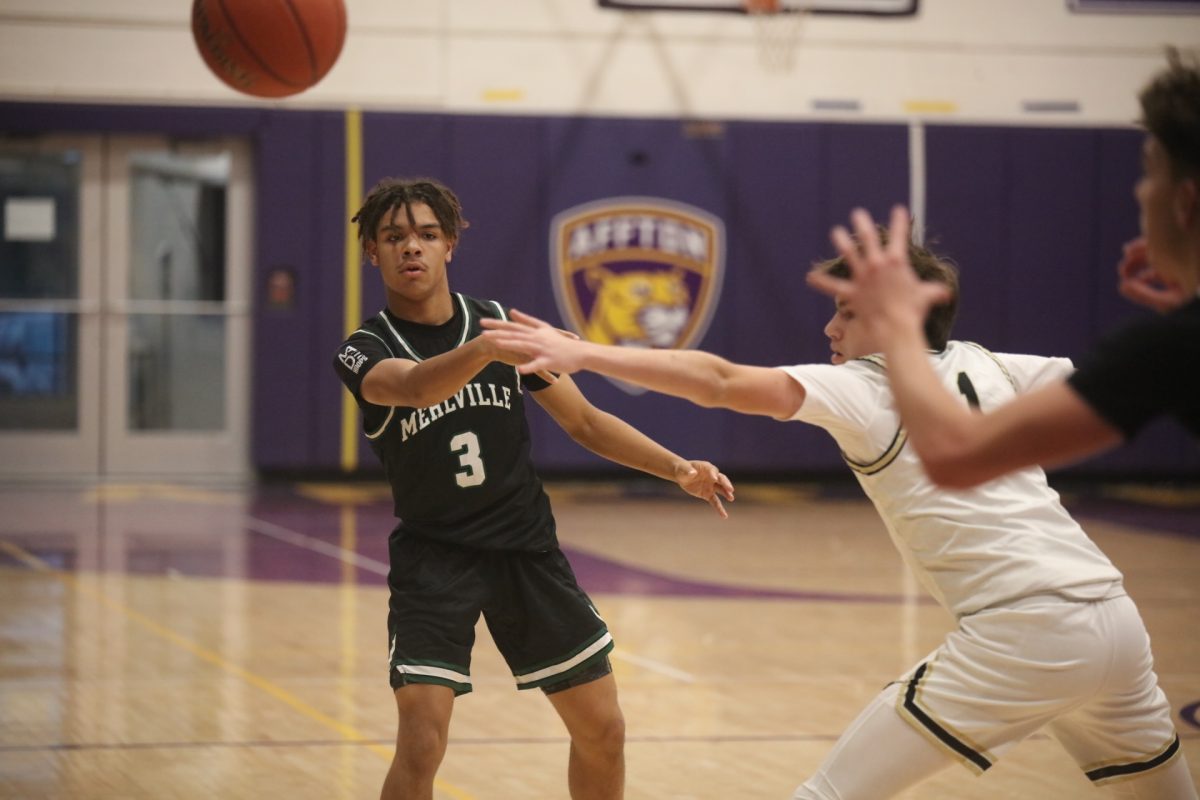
(974, 60)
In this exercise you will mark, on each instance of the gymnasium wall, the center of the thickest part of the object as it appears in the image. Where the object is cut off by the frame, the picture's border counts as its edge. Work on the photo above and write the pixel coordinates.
(966, 59)
(528, 107)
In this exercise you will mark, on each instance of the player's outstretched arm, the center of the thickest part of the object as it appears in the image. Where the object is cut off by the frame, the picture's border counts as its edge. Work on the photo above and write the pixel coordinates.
(616, 440)
(546, 347)
(957, 447)
(703, 378)
(400, 382)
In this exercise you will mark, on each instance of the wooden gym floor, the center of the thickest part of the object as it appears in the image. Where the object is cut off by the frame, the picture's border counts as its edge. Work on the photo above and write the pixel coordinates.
(161, 641)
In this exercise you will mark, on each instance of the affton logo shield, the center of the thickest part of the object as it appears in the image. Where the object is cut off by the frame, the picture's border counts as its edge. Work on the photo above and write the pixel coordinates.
(637, 271)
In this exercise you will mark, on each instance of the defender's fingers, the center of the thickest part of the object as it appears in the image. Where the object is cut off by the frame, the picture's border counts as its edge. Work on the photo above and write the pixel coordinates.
(718, 506)
(513, 339)
(566, 333)
(1135, 245)
(868, 235)
(527, 320)
(826, 283)
(1133, 259)
(547, 376)
(936, 292)
(501, 327)
(497, 324)
(503, 337)
(841, 239)
(899, 232)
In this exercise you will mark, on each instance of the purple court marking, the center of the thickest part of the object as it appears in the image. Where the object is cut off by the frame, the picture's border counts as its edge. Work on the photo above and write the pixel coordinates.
(1191, 715)
(275, 559)
(1181, 520)
(603, 576)
(284, 535)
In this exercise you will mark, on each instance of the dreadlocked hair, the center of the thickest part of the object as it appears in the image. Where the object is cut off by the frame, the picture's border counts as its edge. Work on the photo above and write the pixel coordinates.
(392, 193)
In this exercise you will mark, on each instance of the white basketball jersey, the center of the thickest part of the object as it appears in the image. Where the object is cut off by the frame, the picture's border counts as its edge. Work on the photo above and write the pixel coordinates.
(972, 548)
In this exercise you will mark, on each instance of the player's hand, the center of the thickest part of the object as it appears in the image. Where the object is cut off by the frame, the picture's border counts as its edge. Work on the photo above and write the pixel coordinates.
(544, 347)
(1139, 282)
(702, 479)
(882, 288)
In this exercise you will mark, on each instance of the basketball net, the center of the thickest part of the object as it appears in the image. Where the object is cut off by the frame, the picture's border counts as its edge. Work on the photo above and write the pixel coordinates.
(776, 32)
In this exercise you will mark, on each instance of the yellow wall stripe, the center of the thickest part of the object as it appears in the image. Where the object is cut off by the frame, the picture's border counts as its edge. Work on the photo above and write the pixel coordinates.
(930, 106)
(352, 285)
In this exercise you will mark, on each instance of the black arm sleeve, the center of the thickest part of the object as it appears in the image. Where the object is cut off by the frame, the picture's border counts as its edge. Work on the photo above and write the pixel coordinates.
(1146, 370)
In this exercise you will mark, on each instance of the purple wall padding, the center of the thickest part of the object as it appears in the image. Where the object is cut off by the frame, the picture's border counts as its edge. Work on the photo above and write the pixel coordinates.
(299, 165)
(1034, 217)
(789, 183)
(590, 159)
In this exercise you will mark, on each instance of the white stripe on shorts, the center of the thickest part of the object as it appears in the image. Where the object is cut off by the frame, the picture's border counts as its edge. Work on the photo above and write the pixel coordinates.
(433, 672)
(563, 666)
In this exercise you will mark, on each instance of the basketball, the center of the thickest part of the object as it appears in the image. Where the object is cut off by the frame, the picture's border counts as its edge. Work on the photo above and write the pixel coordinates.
(269, 48)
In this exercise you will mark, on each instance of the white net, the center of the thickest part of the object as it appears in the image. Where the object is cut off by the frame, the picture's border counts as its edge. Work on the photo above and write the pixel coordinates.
(777, 33)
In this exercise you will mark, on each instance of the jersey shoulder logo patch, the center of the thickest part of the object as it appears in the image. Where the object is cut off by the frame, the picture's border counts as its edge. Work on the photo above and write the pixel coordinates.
(352, 358)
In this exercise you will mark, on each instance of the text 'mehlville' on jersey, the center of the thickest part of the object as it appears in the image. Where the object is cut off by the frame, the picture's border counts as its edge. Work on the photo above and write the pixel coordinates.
(1005, 539)
(460, 470)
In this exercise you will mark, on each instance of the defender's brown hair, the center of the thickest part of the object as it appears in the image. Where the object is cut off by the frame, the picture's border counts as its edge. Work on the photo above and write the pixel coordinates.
(929, 267)
(1171, 112)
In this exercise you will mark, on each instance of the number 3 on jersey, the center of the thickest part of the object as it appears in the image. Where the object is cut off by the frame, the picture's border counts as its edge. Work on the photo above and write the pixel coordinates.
(466, 446)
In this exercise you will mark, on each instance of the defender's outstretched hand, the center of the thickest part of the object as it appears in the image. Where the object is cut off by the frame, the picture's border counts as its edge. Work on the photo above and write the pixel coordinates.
(548, 348)
(1139, 282)
(882, 288)
(702, 479)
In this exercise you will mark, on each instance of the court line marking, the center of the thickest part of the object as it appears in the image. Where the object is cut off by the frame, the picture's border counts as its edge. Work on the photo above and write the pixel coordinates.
(653, 665)
(289, 536)
(348, 732)
(297, 539)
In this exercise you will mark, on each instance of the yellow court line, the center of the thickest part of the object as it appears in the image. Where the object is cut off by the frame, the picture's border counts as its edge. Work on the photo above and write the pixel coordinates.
(25, 557)
(216, 659)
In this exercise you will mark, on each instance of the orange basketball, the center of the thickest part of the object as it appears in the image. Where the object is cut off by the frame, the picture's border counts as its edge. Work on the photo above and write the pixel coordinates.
(269, 48)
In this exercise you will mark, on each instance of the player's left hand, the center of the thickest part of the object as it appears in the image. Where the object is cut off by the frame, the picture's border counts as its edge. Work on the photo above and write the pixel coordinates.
(702, 479)
(1137, 280)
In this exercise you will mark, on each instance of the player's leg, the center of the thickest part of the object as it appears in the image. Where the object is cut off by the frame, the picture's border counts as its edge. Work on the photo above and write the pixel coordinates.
(553, 639)
(1005, 673)
(596, 769)
(436, 593)
(1124, 738)
(421, 736)
(878, 756)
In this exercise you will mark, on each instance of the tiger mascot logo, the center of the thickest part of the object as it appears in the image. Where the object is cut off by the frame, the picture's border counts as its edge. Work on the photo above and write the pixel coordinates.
(637, 271)
(639, 307)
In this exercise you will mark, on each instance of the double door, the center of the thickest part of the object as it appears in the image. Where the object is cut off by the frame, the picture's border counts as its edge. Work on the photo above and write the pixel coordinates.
(124, 309)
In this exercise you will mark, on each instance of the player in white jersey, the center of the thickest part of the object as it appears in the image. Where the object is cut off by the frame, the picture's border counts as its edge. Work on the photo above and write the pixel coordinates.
(1010, 538)
(1046, 637)
(1133, 376)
